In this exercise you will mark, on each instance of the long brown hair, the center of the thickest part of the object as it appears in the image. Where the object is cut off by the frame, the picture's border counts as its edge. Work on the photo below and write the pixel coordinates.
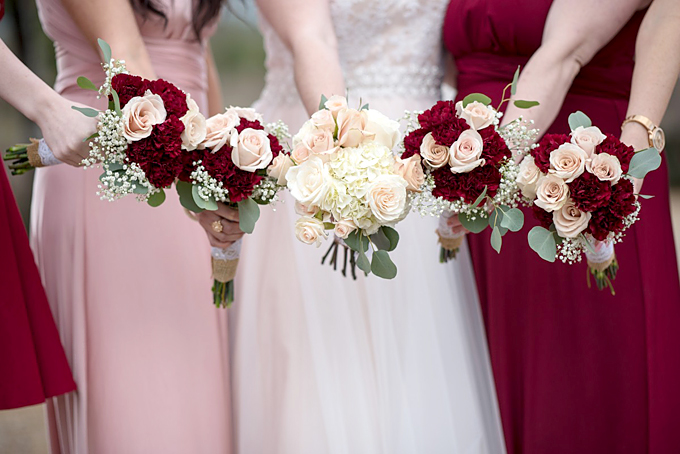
(204, 12)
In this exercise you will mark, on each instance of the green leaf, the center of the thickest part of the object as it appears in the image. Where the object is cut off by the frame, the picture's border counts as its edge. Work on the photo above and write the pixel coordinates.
(363, 263)
(381, 241)
(113, 166)
(322, 103)
(382, 265)
(543, 243)
(525, 104)
(496, 239)
(186, 196)
(476, 97)
(139, 189)
(644, 162)
(646, 197)
(249, 213)
(495, 220)
(116, 102)
(577, 119)
(88, 139)
(106, 49)
(392, 235)
(357, 241)
(86, 84)
(364, 107)
(480, 198)
(157, 198)
(475, 226)
(513, 86)
(88, 112)
(513, 220)
(210, 205)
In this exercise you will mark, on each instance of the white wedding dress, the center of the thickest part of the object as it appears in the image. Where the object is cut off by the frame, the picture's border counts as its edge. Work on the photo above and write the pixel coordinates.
(323, 364)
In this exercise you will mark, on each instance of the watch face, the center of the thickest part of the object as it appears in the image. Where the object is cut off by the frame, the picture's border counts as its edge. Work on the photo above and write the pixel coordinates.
(658, 139)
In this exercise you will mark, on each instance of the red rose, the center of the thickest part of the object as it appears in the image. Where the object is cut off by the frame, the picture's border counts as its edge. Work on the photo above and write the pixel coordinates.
(589, 193)
(174, 99)
(127, 87)
(613, 146)
(548, 143)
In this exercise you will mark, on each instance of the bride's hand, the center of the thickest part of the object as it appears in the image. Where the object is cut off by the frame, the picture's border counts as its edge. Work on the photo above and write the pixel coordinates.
(456, 226)
(228, 219)
(64, 130)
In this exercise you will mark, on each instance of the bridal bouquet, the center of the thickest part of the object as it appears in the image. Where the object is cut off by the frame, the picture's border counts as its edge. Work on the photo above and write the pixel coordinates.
(347, 180)
(581, 189)
(240, 163)
(469, 169)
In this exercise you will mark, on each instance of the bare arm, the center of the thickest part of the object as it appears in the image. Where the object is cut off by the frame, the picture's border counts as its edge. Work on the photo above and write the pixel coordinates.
(305, 27)
(63, 128)
(657, 66)
(575, 30)
(113, 21)
(215, 103)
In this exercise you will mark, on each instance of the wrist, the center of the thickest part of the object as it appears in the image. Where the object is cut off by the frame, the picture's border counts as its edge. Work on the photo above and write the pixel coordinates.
(635, 135)
(48, 106)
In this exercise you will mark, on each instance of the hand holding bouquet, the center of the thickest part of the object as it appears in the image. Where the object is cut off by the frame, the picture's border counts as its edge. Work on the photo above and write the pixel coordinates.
(347, 180)
(581, 189)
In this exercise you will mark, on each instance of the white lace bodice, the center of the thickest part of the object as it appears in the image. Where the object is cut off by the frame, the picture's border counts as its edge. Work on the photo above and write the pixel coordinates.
(387, 48)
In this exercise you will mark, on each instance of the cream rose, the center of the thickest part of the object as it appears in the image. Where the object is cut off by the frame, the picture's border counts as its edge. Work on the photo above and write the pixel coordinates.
(141, 114)
(386, 130)
(219, 129)
(476, 114)
(411, 170)
(307, 183)
(568, 162)
(587, 138)
(386, 197)
(310, 230)
(466, 152)
(195, 129)
(304, 210)
(300, 154)
(344, 228)
(251, 150)
(248, 113)
(320, 142)
(323, 119)
(570, 221)
(335, 104)
(351, 128)
(279, 168)
(551, 192)
(605, 167)
(529, 173)
(433, 154)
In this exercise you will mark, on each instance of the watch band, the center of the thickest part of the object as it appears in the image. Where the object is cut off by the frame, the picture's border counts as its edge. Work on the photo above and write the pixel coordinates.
(641, 119)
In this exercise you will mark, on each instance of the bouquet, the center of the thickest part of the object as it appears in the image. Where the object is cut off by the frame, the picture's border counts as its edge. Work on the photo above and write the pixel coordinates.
(469, 168)
(239, 163)
(346, 179)
(581, 190)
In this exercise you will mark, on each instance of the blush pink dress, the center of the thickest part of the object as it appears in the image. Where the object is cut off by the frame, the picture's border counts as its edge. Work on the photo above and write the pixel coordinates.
(129, 284)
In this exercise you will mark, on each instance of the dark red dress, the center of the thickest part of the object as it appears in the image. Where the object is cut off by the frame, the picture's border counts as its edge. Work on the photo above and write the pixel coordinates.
(33, 365)
(577, 370)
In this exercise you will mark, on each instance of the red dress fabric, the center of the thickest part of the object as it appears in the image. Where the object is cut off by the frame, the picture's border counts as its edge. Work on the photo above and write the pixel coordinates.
(33, 365)
(577, 370)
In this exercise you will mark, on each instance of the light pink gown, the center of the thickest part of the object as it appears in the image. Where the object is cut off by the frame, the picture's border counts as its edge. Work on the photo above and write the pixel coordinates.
(129, 284)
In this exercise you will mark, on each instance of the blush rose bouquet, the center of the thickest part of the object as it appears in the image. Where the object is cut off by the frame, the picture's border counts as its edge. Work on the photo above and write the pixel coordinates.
(347, 180)
(580, 187)
(469, 167)
(239, 162)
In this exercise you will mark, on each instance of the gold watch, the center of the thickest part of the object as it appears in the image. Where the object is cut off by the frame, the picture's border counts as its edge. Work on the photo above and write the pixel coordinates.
(657, 138)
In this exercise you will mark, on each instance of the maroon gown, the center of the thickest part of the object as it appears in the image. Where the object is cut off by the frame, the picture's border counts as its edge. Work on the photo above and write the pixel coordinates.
(33, 364)
(577, 370)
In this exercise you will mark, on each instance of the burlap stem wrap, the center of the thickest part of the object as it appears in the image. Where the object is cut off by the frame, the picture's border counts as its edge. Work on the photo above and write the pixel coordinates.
(33, 154)
(224, 270)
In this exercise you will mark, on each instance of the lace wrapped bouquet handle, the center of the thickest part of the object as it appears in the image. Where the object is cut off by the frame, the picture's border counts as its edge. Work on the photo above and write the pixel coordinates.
(28, 156)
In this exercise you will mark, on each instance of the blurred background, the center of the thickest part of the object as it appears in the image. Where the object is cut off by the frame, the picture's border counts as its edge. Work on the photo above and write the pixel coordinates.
(240, 59)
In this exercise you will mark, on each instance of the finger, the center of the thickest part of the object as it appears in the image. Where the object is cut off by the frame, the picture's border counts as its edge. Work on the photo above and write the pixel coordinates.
(227, 213)
(220, 244)
(231, 228)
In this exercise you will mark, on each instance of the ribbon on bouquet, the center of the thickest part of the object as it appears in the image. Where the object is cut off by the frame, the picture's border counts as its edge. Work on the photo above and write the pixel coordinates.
(224, 265)
(449, 240)
(602, 264)
(28, 156)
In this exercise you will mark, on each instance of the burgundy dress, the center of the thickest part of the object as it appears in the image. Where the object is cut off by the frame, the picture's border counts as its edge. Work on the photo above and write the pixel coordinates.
(33, 365)
(577, 370)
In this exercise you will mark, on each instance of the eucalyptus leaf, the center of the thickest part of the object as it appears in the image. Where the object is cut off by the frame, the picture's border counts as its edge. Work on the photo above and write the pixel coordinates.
(86, 84)
(513, 86)
(210, 204)
(577, 119)
(644, 162)
(157, 198)
(248, 213)
(646, 197)
(139, 189)
(496, 239)
(476, 97)
(363, 263)
(381, 241)
(88, 112)
(106, 50)
(113, 166)
(186, 197)
(522, 104)
(322, 103)
(480, 198)
(543, 243)
(116, 103)
(392, 235)
(382, 265)
(364, 107)
(474, 225)
(495, 220)
(88, 139)
(513, 220)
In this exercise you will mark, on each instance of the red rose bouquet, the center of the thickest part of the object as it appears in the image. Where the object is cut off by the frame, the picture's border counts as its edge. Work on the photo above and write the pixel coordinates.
(581, 189)
(240, 163)
(469, 169)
